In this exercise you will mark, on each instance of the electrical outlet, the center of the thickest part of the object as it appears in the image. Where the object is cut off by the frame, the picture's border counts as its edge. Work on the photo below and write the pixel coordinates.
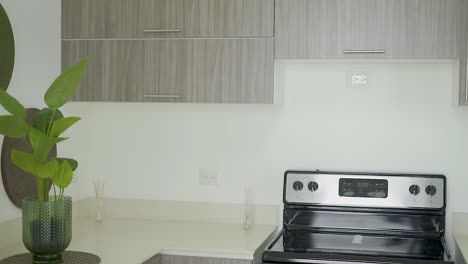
(357, 80)
(209, 177)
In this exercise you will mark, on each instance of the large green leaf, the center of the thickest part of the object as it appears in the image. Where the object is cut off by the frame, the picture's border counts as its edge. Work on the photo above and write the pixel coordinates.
(64, 176)
(62, 125)
(25, 161)
(48, 170)
(65, 85)
(42, 144)
(45, 119)
(73, 163)
(12, 105)
(13, 126)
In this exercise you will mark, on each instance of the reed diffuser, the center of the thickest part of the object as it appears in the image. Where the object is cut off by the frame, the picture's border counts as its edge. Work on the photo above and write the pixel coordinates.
(99, 190)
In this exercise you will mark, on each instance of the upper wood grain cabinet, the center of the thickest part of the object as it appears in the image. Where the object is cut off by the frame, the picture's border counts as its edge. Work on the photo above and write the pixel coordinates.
(97, 19)
(314, 29)
(174, 70)
(463, 61)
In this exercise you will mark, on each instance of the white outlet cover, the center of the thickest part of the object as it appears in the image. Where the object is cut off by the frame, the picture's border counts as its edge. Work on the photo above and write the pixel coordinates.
(209, 177)
(358, 79)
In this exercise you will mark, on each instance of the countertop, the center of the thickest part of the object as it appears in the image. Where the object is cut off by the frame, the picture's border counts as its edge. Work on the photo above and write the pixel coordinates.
(128, 241)
(462, 248)
(460, 235)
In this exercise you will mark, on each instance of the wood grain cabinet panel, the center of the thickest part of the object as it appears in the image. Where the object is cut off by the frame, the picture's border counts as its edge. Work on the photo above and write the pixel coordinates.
(171, 259)
(175, 70)
(209, 71)
(114, 72)
(92, 19)
(400, 29)
(463, 60)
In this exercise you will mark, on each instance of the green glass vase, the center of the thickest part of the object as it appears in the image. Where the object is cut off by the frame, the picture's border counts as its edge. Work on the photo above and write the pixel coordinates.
(47, 228)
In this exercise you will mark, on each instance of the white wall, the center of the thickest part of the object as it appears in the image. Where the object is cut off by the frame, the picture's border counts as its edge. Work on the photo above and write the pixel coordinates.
(406, 122)
(36, 26)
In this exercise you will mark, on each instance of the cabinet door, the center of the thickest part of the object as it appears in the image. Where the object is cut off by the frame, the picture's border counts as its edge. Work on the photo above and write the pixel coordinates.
(308, 29)
(421, 29)
(209, 18)
(97, 19)
(174, 70)
(365, 23)
(91, 19)
(114, 72)
(209, 71)
(427, 29)
(463, 59)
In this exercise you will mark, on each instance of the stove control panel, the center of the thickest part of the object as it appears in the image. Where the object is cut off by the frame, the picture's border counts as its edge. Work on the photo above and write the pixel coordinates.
(372, 188)
(365, 190)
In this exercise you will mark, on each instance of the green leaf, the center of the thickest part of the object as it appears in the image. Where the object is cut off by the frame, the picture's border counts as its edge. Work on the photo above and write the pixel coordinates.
(48, 170)
(64, 176)
(12, 105)
(25, 161)
(65, 85)
(45, 119)
(62, 125)
(42, 144)
(73, 163)
(14, 127)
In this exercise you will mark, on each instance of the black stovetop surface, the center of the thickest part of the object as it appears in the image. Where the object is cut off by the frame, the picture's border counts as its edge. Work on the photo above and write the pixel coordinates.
(294, 246)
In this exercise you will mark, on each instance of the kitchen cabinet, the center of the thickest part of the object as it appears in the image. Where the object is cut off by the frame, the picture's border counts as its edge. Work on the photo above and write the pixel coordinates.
(91, 19)
(463, 60)
(185, 51)
(174, 70)
(172, 259)
(397, 29)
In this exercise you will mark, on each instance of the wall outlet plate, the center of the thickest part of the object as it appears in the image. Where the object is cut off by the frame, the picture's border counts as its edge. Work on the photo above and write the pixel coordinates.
(358, 79)
(209, 177)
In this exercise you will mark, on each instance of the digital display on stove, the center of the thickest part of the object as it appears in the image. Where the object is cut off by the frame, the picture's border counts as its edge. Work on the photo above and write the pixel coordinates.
(365, 188)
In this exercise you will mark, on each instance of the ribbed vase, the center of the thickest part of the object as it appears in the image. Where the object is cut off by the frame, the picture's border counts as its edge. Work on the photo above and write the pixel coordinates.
(47, 228)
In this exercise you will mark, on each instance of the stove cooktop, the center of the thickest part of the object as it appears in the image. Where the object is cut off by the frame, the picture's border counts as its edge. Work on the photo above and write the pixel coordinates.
(312, 247)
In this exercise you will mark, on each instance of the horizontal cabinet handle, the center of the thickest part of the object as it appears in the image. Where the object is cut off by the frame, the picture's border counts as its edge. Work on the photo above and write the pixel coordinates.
(363, 51)
(162, 30)
(162, 96)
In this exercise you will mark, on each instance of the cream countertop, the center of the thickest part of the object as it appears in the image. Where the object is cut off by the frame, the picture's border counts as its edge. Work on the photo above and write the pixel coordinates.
(129, 241)
(460, 234)
(133, 241)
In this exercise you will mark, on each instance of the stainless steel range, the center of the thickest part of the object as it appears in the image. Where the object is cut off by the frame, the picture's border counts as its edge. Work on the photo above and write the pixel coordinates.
(334, 217)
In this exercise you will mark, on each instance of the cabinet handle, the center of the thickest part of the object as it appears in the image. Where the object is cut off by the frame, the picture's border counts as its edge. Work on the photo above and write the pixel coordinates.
(162, 30)
(363, 51)
(161, 96)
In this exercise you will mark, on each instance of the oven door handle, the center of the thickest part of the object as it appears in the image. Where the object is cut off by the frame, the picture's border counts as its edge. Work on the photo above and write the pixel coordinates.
(444, 245)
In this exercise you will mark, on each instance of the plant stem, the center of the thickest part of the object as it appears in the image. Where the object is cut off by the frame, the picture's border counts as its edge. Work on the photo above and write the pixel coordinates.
(50, 124)
(40, 191)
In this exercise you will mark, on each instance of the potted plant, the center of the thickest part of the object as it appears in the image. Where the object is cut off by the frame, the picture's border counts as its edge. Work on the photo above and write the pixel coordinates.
(47, 219)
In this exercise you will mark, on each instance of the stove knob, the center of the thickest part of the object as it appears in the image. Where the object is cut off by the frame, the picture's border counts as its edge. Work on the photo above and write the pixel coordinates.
(414, 189)
(431, 190)
(313, 186)
(297, 185)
